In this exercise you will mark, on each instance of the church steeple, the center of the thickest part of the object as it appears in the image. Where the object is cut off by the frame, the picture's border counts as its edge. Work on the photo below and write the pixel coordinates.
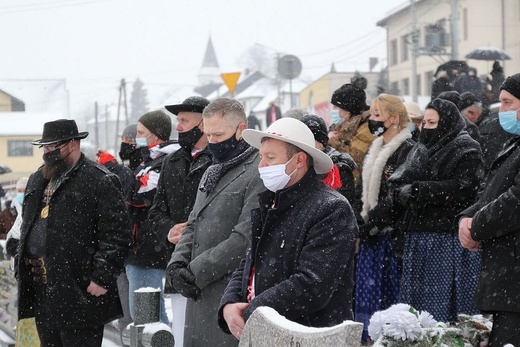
(210, 70)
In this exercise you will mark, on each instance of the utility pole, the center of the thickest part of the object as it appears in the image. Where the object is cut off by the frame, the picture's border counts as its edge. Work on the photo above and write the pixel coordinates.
(122, 94)
(414, 52)
(455, 29)
(96, 124)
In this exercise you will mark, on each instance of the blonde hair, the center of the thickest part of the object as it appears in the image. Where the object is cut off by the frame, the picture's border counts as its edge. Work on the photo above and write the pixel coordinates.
(393, 105)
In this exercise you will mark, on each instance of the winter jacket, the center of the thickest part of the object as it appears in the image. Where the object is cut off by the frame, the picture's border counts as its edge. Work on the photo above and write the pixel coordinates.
(298, 270)
(440, 85)
(445, 174)
(148, 251)
(88, 239)
(492, 137)
(354, 138)
(176, 192)
(496, 225)
(380, 163)
(212, 245)
(346, 167)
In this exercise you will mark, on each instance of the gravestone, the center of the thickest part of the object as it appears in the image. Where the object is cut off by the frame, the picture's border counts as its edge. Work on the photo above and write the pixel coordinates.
(267, 328)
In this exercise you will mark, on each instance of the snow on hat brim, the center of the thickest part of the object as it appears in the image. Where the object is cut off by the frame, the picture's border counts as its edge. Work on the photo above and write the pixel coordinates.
(295, 132)
(512, 85)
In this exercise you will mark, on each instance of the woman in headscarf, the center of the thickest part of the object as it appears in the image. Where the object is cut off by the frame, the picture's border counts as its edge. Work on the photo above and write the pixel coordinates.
(439, 178)
(377, 269)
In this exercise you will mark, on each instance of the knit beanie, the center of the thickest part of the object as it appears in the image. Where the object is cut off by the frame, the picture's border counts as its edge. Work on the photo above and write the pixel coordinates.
(351, 97)
(130, 131)
(158, 122)
(467, 99)
(512, 85)
(318, 128)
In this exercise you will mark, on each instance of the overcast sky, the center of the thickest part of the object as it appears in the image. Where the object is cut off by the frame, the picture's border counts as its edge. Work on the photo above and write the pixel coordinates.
(94, 43)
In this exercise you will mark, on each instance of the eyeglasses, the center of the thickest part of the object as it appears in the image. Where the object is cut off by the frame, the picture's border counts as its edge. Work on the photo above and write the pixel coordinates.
(52, 147)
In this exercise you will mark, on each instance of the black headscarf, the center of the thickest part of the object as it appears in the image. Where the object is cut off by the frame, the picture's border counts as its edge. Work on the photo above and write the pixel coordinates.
(450, 125)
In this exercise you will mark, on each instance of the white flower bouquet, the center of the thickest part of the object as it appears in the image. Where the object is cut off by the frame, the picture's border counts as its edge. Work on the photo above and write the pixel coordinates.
(402, 326)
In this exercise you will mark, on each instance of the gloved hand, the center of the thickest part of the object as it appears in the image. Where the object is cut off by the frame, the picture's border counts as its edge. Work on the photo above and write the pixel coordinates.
(368, 232)
(183, 280)
(406, 193)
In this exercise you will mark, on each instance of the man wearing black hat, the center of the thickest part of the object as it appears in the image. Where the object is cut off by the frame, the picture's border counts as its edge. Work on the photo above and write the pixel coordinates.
(492, 225)
(146, 264)
(177, 189)
(349, 131)
(74, 240)
(492, 136)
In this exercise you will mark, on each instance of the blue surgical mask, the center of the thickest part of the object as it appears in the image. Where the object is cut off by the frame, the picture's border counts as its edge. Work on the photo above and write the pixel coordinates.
(335, 118)
(412, 127)
(141, 141)
(19, 197)
(509, 122)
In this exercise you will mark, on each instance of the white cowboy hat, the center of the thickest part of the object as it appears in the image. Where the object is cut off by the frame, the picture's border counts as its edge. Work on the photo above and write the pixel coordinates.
(292, 131)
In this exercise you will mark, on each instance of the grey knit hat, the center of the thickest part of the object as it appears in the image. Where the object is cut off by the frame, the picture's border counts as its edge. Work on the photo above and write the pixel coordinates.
(158, 122)
(130, 131)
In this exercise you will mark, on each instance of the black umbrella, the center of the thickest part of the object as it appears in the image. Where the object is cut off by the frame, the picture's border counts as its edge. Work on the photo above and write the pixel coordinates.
(488, 53)
(459, 65)
(4, 169)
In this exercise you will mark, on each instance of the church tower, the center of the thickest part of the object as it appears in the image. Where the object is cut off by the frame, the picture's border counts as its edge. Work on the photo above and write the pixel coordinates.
(209, 72)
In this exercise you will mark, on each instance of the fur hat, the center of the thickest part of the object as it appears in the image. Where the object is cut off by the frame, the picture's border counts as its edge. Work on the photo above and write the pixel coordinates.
(318, 128)
(158, 122)
(351, 97)
(512, 85)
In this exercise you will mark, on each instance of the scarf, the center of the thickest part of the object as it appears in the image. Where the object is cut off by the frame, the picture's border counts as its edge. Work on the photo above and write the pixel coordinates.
(216, 171)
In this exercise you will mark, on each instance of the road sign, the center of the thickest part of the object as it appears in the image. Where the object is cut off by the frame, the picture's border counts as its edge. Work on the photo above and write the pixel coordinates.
(289, 66)
(230, 79)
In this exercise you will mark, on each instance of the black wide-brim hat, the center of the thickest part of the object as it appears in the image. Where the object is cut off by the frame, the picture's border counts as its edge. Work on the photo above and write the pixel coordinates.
(195, 104)
(58, 131)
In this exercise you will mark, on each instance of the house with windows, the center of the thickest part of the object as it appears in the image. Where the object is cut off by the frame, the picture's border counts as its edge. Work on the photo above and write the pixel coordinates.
(427, 33)
(25, 105)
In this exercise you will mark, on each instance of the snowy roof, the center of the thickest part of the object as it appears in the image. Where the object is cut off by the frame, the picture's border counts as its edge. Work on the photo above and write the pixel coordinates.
(25, 123)
(45, 95)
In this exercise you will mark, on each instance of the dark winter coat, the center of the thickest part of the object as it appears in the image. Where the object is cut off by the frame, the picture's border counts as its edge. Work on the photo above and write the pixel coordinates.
(88, 239)
(148, 250)
(124, 173)
(496, 225)
(302, 251)
(376, 205)
(346, 167)
(492, 137)
(176, 192)
(440, 85)
(445, 174)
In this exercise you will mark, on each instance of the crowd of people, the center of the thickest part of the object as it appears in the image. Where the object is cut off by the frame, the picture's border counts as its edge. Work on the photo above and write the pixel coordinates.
(389, 204)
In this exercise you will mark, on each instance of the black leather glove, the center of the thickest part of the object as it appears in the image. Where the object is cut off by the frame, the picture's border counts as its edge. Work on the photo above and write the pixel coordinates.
(183, 281)
(407, 193)
(368, 233)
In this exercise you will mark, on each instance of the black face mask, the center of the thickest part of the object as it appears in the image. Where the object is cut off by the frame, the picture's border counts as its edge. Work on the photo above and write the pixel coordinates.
(428, 137)
(52, 158)
(129, 152)
(377, 128)
(189, 138)
(221, 151)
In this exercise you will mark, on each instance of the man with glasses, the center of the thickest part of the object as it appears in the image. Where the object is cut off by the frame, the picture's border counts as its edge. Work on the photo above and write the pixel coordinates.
(74, 240)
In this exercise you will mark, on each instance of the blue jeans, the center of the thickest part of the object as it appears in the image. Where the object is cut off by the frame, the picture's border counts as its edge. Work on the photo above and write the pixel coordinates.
(139, 277)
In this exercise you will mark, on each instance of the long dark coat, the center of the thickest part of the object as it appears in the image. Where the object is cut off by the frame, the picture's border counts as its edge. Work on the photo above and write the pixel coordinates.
(176, 192)
(496, 224)
(88, 238)
(492, 137)
(346, 166)
(303, 254)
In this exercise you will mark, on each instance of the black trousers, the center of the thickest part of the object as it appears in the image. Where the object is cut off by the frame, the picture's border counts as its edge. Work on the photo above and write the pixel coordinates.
(84, 337)
(506, 329)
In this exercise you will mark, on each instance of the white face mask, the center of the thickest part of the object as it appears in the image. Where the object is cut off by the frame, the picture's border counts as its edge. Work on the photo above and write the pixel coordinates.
(274, 176)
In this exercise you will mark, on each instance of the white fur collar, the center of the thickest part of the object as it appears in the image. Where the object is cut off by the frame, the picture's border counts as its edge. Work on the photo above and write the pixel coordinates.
(373, 167)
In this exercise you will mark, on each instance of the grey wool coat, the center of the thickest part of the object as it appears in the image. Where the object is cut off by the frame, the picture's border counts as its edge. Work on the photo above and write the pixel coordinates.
(212, 246)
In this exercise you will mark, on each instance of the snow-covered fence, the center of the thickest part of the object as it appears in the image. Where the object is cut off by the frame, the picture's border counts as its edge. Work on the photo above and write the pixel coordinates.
(266, 322)
(147, 330)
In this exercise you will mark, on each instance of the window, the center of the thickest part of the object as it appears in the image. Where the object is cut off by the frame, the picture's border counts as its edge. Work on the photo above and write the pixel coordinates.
(406, 86)
(393, 52)
(465, 24)
(418, 84)
(428, 83)
(394, 88)
(405, 47)
(19, 148)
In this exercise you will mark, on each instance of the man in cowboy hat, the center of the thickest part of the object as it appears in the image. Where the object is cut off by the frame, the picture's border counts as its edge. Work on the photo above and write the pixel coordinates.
(74, 239)
(301, 250)
(177, 189)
